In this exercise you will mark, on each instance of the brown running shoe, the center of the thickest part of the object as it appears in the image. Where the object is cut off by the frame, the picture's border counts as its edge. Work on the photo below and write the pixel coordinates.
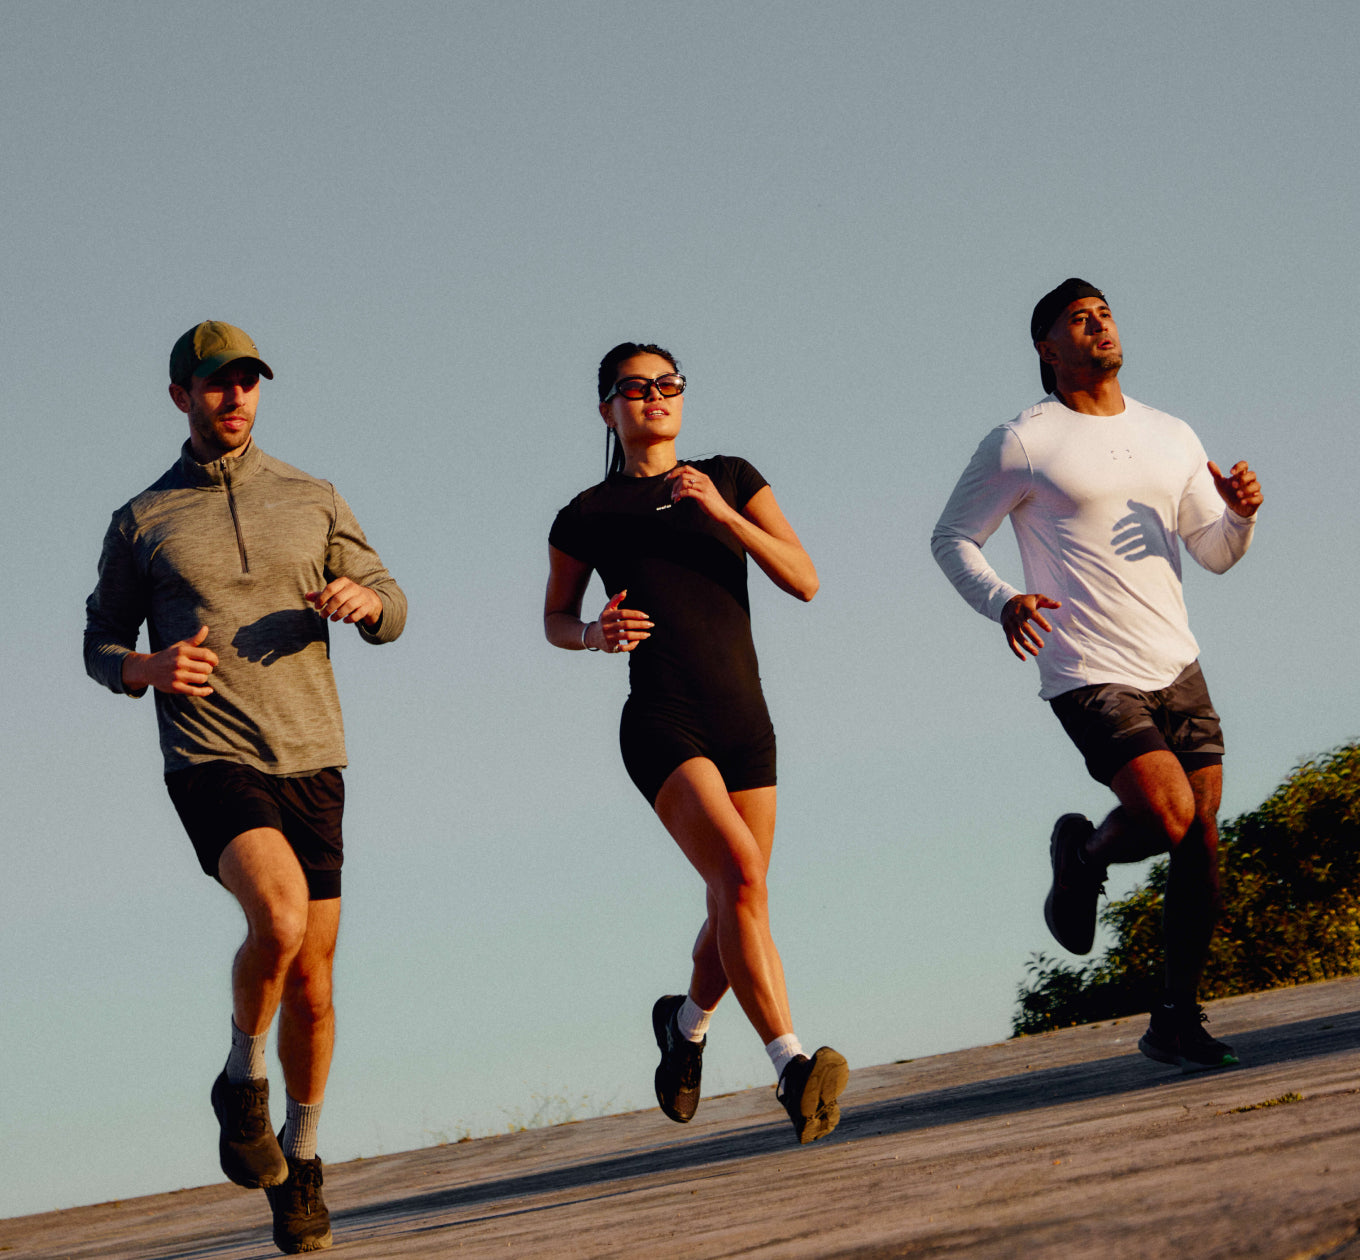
(301, 1221)
(246, 1146)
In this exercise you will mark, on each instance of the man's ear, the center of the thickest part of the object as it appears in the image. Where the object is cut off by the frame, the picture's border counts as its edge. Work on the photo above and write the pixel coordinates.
(180, 396)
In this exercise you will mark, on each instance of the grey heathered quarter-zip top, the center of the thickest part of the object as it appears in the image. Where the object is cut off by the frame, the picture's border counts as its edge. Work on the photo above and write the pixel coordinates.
(234, 545)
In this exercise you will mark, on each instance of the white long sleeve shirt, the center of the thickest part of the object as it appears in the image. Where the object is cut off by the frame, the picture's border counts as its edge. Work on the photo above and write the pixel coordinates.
(1097, 504)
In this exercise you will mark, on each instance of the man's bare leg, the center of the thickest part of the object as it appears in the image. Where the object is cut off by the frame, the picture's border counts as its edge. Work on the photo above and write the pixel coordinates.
(260, 869)
(1162, 809)
(307, 1021)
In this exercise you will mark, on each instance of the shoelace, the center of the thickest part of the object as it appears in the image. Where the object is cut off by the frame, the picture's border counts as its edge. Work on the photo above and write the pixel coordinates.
(690, 1072)
(307, 1177)
(251, 1118)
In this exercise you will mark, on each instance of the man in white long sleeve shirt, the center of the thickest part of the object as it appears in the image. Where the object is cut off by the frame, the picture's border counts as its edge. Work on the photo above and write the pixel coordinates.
(1101, 491)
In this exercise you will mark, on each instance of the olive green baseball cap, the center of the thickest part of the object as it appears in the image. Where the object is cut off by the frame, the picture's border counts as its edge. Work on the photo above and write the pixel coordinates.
(209, 346)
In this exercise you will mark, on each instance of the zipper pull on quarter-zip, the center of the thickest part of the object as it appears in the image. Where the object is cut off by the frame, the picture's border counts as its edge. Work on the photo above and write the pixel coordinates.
(235, 517)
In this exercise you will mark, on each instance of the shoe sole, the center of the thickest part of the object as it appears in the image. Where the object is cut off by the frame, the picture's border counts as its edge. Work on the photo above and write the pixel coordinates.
(246, 1180)
(239, 1175)
(817, 1104)
(1188, 1067)
(1086, 944)
(312, 1244)
(1154, 1051)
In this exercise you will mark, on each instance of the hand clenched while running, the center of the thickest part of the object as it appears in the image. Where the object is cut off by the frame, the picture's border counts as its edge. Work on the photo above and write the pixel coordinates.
(181, 669)
(619, 629)
(689, 483)
(345, 600)
(1239, 488)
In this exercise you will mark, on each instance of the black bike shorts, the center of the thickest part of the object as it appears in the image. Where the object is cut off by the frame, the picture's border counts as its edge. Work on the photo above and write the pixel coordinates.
(655, 741)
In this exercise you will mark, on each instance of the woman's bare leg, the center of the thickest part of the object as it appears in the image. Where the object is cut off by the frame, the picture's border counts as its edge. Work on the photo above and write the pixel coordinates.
(727, 837)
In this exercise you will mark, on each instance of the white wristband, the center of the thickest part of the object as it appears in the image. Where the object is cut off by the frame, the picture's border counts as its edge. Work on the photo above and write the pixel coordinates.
(585, 628)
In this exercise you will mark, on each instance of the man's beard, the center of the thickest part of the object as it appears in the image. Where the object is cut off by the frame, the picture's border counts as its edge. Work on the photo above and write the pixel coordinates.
(1109, 360)
(219, 443)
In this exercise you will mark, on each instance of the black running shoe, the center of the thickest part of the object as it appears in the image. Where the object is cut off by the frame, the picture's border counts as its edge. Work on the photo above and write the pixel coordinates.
(247, 1148)
(682, 1062)
(301, 1222)
(808, 1088)
(1176, 1035)
(1078, 881)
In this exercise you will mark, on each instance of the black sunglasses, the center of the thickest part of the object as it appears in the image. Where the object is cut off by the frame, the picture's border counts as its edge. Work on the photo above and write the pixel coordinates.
(636, 387)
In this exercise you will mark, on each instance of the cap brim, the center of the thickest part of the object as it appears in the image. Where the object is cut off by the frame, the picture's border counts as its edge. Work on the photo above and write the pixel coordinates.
(217, 361)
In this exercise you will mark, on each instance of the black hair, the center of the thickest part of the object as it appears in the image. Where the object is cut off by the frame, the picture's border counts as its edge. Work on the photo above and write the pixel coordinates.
(609, 373)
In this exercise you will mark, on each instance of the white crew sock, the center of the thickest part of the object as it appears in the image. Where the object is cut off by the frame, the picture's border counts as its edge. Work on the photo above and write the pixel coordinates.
(692, 1020)
(782, 1051)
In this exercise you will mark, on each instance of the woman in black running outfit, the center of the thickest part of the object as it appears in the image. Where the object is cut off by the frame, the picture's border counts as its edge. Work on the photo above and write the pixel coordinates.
(670, 540)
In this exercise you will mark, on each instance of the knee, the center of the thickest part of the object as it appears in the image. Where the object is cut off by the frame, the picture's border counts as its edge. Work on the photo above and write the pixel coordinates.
(1176, 816)
(277, 930)
(743, 889)
(1195, 855)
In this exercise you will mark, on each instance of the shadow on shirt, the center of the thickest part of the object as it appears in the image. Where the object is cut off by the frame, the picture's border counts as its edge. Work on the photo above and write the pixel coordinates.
(1141, 534)
(279, 634)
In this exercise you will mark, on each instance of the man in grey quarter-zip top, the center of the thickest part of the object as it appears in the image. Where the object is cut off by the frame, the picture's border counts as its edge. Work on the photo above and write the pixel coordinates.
(237, 563)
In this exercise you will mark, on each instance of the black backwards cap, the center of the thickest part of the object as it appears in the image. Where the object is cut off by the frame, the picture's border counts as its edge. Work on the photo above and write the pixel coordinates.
(1046, 312)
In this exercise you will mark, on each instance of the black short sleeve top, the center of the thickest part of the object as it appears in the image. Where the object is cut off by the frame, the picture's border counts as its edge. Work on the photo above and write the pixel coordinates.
(682, 569)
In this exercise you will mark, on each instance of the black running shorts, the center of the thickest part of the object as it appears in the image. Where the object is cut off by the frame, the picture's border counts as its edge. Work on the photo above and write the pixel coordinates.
(218, 800)
(655, 743)
(1112, 724)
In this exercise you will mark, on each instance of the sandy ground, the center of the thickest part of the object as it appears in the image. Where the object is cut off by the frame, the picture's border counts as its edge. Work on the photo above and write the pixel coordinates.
(1066, 1145)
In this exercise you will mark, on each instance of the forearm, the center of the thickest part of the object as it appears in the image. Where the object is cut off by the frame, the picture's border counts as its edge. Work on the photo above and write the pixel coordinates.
(783, 561)
(104, 662)
(350, 555)
(993, 485)
(963, 563)
(567, 630)
(1221, 544)
(135, 673)
(391, 621)
(114, 613)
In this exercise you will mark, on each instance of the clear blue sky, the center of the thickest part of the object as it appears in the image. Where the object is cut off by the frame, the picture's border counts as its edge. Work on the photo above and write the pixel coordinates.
(434, 218)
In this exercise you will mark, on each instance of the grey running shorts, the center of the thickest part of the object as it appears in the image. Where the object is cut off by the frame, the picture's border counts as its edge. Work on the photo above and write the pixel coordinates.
(1112, 724)
(218, 800)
